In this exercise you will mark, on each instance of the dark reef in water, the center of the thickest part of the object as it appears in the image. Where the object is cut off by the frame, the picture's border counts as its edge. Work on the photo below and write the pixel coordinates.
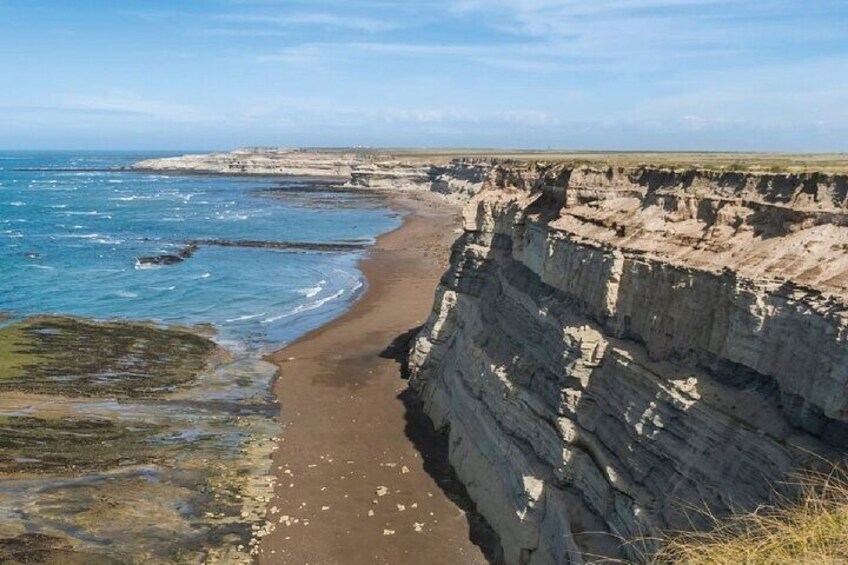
(170, 259)
(189, 250)
(333, 247)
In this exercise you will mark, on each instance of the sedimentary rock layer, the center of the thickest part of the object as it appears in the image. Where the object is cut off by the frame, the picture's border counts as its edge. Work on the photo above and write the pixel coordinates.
(457, 180)
(613, 349)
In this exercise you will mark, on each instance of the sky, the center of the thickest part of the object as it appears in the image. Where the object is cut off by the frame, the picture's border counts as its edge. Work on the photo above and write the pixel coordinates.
(712, 75)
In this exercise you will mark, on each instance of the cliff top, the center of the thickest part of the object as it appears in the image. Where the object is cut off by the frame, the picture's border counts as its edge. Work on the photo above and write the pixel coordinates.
(755, 162)
(724, 161)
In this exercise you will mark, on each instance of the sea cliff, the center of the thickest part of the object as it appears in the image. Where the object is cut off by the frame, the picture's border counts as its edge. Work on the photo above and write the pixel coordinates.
(615, 350)
(621, 350)
(455, 179)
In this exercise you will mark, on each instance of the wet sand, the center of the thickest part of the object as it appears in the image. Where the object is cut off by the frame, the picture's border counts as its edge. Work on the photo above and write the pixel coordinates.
(361, 475)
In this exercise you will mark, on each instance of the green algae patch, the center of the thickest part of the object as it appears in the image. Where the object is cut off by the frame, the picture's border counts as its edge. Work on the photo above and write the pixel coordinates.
(58, 445)
(73, 357)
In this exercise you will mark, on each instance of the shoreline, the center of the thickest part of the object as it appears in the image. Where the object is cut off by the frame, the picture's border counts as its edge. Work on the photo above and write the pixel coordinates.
(316, 177)
(208, 442)
(361, 475)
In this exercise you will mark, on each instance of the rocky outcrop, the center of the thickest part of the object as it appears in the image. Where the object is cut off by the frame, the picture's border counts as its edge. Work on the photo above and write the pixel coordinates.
(457, 180)
(187, 252)
(615, 350)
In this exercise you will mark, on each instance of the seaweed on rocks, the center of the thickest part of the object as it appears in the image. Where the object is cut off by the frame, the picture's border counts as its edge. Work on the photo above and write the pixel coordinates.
(73, 357)
(128, 442)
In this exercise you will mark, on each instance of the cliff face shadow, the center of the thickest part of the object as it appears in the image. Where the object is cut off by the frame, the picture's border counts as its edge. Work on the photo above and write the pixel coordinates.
(434, 449)
(398, 350)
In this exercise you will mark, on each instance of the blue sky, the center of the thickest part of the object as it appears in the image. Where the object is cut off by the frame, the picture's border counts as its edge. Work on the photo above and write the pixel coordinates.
(767, 75)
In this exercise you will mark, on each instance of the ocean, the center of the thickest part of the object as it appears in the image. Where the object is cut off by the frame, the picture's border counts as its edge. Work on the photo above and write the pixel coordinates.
(136, 442)
(73, 226)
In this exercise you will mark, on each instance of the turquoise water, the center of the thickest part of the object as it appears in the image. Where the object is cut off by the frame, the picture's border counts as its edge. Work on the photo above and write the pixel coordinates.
(73, 226)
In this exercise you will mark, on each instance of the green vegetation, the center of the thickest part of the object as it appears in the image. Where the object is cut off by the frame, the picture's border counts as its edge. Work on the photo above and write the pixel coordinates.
(64, 444)
(74, 357)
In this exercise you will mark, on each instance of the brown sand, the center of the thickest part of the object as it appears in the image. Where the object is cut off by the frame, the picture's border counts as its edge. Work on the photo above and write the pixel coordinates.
(352, 429)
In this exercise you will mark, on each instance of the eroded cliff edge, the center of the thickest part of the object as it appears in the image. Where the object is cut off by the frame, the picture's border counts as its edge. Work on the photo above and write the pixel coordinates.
(614, 347)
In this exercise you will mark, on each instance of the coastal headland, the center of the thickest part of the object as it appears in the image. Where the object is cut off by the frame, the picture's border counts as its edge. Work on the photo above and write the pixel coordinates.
(615, 339)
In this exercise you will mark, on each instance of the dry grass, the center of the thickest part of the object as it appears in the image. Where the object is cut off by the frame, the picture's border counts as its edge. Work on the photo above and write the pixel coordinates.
(836, 163)
(812, 530)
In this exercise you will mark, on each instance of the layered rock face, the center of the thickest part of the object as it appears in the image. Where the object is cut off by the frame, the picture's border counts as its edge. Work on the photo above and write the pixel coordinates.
(457, 180)
(616, 350)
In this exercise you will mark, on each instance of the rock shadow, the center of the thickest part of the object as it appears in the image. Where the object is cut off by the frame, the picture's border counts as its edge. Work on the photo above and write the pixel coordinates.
(398, 350)
(433, 446)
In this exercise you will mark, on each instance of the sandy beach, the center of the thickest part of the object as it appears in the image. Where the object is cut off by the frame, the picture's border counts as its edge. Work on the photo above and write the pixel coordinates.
(361, 475)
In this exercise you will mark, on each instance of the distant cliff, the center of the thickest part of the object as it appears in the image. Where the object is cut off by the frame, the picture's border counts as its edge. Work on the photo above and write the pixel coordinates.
(456, 179)
(250, 161)
(614, 348)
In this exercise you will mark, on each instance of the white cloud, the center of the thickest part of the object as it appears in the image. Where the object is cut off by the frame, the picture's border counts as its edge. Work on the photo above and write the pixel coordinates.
(523, 57)
(317, 19)
(647, 34)
(299, 111)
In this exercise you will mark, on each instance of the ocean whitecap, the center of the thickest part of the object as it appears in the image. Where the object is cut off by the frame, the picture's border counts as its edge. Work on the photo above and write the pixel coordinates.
(304, 308)
(309, 292)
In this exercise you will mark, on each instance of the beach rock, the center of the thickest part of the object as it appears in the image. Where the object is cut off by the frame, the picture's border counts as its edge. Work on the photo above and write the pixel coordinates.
(612, 348)
(189, 250)
(170, 258)
(161, 260)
